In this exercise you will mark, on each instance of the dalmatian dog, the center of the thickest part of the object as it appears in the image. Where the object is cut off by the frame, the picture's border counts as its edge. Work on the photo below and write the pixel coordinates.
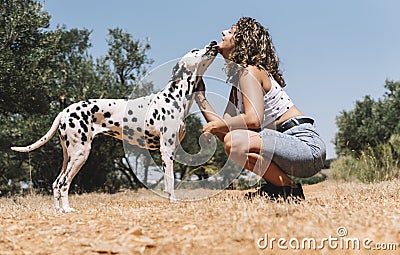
(154, 122)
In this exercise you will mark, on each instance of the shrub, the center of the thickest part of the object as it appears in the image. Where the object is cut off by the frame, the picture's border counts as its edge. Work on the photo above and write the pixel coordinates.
(374, 164)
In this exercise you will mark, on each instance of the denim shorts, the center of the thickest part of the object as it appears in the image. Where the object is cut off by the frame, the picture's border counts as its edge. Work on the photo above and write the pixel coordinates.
(299, 151)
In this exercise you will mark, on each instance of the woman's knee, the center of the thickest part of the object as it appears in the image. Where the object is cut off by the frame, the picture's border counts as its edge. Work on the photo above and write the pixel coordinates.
(228, 143)
(236, 142)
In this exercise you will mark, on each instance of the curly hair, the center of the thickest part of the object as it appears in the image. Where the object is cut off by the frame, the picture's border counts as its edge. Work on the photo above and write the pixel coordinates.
(253, 46)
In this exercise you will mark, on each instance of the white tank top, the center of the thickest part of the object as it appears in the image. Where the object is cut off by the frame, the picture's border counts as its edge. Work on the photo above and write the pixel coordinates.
(276, 103)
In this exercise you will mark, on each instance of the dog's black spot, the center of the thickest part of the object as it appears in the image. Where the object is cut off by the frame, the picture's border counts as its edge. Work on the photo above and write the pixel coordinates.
(176, 105)
(116, 124)
(125, 119)
(170, 141)
(84, 126)
(167, 100)
(139, 129)
(104, 125)
(130, 112)
(107, 115)
(74, 115)
(134, 119)
(78, 108)
(94, 109)
(84, 137)
(71, 124)
(67, 143)
(85, 117)
(110, 122)
(141, 141)
(151, 121)
(94, 120)
(174, 85)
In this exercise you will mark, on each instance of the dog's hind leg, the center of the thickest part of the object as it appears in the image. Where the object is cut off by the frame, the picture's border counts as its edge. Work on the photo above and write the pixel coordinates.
(56, 190)
(77, 156)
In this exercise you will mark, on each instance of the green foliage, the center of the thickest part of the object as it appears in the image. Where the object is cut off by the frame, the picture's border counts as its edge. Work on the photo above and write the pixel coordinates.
(27, 54)
(370, 123)
(317, 178)
(368, 141)
(374, 164)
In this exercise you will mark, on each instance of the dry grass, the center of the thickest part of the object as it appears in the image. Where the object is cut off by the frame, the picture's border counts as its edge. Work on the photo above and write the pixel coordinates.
(143, 223)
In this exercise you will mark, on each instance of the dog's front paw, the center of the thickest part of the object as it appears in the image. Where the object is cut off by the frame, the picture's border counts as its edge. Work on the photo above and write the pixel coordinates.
(68, 210)
(172, 200)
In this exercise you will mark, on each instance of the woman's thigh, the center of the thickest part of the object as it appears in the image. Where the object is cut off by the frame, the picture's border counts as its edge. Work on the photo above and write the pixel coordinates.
(243, 141)
(297, 152)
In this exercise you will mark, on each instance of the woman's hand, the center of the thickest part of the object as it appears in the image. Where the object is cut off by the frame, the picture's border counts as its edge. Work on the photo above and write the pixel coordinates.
(209, 130)
(211, 127)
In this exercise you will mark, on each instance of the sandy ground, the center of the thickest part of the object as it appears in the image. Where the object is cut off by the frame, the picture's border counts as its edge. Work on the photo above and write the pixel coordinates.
(338, 216)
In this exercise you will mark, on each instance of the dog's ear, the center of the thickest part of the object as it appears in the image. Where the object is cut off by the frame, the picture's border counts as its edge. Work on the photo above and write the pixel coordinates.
(176, 72)
(175, 69)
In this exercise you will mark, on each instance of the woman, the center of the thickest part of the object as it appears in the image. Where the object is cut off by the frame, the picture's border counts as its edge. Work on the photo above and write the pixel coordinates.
(295, 147)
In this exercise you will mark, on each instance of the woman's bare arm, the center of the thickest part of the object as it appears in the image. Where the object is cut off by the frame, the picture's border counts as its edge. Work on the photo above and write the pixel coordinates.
(252, 118)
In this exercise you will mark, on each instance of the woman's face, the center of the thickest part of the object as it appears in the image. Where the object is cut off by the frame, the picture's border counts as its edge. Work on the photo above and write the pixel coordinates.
(227, 42)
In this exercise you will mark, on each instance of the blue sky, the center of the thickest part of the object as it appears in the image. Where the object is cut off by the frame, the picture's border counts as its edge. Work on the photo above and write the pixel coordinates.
(332, 52)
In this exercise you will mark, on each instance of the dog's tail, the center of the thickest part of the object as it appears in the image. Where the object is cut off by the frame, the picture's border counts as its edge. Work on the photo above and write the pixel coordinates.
(42, 140)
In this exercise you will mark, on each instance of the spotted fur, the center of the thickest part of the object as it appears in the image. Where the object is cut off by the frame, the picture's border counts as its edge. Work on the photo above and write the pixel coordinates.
(153, 122)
